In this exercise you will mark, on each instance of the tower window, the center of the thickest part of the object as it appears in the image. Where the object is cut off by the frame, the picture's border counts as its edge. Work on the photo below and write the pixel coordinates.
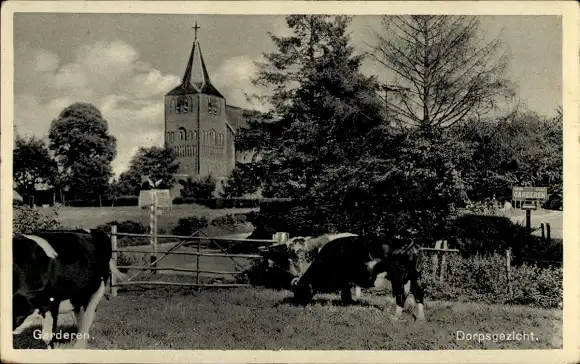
(205, 136)
(189, 135)
(195, 135)
(212, 136)
(209, 107)
(181, 133)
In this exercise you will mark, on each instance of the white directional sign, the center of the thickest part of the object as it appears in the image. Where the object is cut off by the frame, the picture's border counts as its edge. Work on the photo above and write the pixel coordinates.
(529, 193)
(163, 198)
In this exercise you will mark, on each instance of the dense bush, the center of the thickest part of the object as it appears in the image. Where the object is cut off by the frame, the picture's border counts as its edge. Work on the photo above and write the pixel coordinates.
(186, 226)
(130, 227)
(484, 279)
(229, 220)
(285, 215)
(27, 220)
(200, 188)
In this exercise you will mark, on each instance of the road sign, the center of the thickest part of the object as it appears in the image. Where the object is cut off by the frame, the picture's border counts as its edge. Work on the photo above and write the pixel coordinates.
(530, 194)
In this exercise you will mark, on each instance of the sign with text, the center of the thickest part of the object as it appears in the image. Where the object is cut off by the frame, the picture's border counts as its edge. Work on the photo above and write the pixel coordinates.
(163, 198)
(530, 193)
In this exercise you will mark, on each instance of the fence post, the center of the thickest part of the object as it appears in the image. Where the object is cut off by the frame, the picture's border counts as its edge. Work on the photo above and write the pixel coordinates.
(508, 254)
(114, 257)
(548, 231)
(443, 263)
(197, 263)
(435, 259)
(543, 231)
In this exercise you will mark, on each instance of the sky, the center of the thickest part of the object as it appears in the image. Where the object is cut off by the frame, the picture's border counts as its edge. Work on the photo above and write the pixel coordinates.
(125, 63)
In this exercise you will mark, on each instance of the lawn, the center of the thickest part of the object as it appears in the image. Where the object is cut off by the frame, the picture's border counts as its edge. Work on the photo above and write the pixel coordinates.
(257, 318)
(91, 217)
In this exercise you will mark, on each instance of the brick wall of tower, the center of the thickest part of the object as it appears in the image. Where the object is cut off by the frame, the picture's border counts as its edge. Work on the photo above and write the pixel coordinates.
(181, 131)
(213, 137)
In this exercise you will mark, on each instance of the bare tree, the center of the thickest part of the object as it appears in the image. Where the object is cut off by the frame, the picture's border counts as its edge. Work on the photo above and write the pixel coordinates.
(443, 70)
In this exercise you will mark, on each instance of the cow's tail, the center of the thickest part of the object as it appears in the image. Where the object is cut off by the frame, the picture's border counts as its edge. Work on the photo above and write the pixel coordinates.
(114, 271)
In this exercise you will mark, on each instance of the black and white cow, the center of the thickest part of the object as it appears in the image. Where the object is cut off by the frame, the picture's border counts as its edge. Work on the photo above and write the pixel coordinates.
(354, 260)
(60, 272)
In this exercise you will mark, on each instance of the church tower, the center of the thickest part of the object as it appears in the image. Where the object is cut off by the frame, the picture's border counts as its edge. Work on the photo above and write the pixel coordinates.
(196, 124)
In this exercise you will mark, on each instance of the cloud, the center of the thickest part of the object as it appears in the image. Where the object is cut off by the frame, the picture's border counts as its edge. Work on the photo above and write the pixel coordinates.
(110, 75)
(233, 78)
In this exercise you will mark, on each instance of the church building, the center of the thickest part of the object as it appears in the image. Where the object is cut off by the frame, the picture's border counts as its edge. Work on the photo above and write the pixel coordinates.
(199, 124)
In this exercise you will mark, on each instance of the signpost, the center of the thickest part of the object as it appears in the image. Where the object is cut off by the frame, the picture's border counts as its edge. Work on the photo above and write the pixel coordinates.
(529, 197)
(155, 199)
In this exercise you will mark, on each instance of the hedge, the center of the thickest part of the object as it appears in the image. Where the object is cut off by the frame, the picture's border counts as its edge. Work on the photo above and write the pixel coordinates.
(119, 201)
(484, 279)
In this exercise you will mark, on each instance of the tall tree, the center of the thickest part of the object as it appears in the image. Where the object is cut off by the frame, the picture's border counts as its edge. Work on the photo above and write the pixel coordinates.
(154, 162)
(323, 107)
(32, 165)
(84, 150)
(443, 71)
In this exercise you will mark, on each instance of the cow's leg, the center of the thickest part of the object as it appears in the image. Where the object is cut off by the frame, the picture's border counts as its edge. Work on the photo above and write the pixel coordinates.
(79, 314)
(345, 294)
(357, 292)
(418, 293)
(48, 328)
(88, 317)
(398, 285)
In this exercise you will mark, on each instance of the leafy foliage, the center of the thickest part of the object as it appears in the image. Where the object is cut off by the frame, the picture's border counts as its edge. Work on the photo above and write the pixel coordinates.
(199, 189)
(84, 150)
(27, 220)
(521, 149)
(186, 226)
(32, 164)
(484, 279)
(154, 162)
(130, 227)
(244, 179)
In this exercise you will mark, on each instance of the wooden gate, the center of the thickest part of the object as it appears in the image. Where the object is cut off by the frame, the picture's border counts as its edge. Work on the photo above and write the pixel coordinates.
(199, 241)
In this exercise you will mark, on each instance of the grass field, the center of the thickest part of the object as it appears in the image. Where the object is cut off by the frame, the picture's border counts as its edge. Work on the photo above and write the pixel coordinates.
(255, 318)
(91, 217)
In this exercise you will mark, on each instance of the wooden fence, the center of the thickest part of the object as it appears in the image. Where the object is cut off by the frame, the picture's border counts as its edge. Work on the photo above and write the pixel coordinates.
(184, 241)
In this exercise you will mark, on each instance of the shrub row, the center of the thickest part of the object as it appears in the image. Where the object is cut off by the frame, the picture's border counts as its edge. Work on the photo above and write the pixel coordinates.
(226, 203)
(119, 201)
(484, 279)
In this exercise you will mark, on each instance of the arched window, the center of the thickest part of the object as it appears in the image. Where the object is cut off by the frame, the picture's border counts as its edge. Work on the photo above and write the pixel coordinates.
(205, 136)
(185, 106)
(212, 136)
(195, 135)
(172, 106)
(209, 107)
(190, 135)
(181, 133)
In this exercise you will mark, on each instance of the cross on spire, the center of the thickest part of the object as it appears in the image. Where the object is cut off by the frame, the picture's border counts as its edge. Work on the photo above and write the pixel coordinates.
(196, 28)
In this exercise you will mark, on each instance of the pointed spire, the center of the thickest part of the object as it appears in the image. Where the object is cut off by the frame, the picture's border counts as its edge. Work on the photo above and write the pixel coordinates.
(195, 78)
